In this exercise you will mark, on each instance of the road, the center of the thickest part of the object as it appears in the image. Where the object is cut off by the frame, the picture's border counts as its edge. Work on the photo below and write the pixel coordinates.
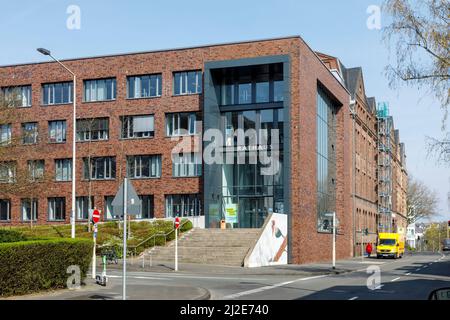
(411, 278)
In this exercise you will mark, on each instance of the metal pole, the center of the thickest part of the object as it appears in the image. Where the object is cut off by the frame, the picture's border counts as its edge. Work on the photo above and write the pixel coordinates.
(124, 275)
(176, 249)
(94, 255)
(74, 152)
(334, 240)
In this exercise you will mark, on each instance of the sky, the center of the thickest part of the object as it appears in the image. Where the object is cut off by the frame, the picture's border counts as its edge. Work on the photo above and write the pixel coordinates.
(338, 28)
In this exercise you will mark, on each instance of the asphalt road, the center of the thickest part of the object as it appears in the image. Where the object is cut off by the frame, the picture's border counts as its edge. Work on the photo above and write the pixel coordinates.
(412, 278)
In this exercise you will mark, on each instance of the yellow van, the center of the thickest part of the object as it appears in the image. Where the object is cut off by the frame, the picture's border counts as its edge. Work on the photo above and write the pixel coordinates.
(390, 245)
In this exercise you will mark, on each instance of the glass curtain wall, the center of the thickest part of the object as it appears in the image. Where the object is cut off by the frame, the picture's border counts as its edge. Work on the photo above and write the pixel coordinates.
(326, 161)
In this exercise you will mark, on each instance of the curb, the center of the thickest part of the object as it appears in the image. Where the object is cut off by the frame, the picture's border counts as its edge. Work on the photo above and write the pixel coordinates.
(205, 296)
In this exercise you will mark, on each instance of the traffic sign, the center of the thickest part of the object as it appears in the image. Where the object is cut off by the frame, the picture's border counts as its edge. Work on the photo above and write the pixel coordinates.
(177, 222)
(96, 216)
(134, 204)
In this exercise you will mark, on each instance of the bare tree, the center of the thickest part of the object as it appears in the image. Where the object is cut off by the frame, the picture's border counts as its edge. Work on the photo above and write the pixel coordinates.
(421, 201)
(28, 180)
(419, 34)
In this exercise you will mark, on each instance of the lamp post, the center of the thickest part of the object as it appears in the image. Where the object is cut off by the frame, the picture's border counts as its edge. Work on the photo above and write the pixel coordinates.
(46, 52)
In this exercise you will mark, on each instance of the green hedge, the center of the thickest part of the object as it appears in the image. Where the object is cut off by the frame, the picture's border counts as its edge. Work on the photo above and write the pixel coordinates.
(11, 236)
(32, 266)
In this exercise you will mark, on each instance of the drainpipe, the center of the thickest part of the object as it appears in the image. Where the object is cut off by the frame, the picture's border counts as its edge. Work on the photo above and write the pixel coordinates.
(353, 115)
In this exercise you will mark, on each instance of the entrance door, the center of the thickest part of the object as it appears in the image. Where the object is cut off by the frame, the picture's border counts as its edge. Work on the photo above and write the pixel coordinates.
(252, 212)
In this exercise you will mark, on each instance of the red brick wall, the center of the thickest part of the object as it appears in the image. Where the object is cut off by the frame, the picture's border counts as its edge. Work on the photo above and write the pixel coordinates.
(306, 71)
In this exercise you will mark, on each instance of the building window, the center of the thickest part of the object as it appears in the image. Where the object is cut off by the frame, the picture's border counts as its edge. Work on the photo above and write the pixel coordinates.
(57, 131)
(30, 133)
(82, 207)
(137, 126)
(187, 165)
(100, 168)
(326, 161)
(5, 210)
(56, 209)
(7, 172)
(29, 209)
(5, 134)
(93, 129)
(181, 124)
(63, 169)
(147, 208)
(57, 93)
(146, 86)
(36, 169)
(109, 208)
(183, 205)
(252, 85)
(100, 90)
(17, 96)
(187, 82)
(144, 166)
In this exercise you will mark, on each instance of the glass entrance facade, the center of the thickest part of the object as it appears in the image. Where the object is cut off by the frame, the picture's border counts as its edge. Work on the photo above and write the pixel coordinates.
(250, 115)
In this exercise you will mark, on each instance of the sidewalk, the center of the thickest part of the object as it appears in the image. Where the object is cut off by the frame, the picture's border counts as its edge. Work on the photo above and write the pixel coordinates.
(113, 291)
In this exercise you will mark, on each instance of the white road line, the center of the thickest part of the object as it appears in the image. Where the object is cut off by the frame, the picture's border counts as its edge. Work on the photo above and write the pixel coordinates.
(262, 289)
(379, 287)
(409, 273)
(354, 298)
(418, 269)
(134, 277)
(181, 276)
(395, 279)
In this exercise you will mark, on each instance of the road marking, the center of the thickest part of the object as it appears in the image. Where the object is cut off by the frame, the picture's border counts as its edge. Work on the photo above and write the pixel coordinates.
(310, 278)
(395, 279)
(418, 269)
(379, 287)
(409, 273)
(262, 289)
(135, 277)
(354, 298)
(201, 277)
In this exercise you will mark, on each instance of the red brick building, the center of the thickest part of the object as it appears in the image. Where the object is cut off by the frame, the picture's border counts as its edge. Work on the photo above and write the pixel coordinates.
(130, 107)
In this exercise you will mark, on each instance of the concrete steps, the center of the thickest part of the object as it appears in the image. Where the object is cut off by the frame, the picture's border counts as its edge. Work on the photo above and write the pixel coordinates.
(209, 246)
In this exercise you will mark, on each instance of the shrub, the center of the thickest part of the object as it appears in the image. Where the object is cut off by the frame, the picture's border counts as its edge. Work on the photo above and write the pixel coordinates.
(32, 266)
(11, 236)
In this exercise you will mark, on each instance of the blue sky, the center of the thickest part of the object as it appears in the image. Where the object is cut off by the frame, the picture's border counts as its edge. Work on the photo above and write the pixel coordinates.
(334, 27)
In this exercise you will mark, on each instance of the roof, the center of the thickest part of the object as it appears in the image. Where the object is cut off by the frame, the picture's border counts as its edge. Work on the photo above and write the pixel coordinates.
(160, 50)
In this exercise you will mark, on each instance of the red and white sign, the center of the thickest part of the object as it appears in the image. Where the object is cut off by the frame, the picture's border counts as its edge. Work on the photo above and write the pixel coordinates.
(96, 216)
(177, 222)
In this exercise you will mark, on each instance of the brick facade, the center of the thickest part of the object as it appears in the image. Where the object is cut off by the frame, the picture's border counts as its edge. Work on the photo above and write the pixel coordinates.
(307, 72)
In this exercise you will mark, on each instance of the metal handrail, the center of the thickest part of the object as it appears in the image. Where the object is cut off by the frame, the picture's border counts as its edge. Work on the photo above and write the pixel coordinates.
(154, 236)
(158, 234)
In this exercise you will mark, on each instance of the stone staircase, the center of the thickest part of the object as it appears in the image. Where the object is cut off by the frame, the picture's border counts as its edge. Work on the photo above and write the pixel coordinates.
(209, 246)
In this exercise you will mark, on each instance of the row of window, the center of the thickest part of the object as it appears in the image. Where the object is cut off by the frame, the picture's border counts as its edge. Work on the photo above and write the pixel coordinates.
(143, 86)
(104, 168)
(97, 129)
(182, 205)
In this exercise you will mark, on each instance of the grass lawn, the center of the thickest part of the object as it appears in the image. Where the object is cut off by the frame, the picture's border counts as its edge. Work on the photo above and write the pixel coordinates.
(109, 233)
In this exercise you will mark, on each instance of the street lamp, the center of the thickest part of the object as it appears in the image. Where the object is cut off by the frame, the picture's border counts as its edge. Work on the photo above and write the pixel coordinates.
(334, 236)
(46, 52)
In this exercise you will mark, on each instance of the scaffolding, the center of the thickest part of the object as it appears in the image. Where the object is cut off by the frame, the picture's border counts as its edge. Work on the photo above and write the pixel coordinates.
(384, 127)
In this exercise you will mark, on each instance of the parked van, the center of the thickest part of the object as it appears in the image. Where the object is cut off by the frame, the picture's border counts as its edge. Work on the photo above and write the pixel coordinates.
(446, 245)
(390, 245)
